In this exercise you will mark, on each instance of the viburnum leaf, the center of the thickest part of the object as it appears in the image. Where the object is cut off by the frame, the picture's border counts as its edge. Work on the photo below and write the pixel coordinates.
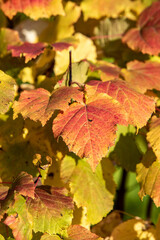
(134, 229)
(28, 50)
(89, 129)
(77, 232)
(39, 104)
(100, 8)
(148, 175)
(19, 219)
(24, 184)
(153, 136)
(93, 191)
(142, 75)
(7, 91)
(137, 106)
(51, 210)
(33, 9)
(146, 36)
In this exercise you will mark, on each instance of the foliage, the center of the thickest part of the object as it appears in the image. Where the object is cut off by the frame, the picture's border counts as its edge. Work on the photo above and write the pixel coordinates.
(80, 93)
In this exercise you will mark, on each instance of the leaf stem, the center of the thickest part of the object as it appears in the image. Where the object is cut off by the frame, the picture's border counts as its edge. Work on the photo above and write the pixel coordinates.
(70, 68)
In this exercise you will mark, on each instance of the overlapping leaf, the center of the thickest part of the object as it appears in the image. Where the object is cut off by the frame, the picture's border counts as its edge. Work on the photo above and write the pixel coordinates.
(148, 175)
(39, 104)
(33, 8)
(153, 135)
(146, 36)
(89, 129)
(137, 106)
(7, 91)
(93, 191)
(51, 210)
(19, 219)
(142, 75)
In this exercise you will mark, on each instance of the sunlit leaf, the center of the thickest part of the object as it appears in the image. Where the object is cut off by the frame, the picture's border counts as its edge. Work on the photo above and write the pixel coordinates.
(148, 175)
(39, 104)
(142, 76)
(138, 106)
(89, 129)
(33, 9)
(134, 229)
(51, 210)
(153, 135)
(92, 191)
(19, 219)
(7, 91)
(146, 36)
(47, 236)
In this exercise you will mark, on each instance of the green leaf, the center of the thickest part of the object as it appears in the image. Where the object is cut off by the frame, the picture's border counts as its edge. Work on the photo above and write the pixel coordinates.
(19, 219)
(89, 191)
(51, 210)
(7, 91)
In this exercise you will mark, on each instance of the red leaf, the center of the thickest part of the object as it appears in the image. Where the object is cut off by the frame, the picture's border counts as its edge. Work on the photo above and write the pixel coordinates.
(89, 129)
(77, 232)
(60, 46)
(142, 76)
(33, 8)
(29, 50)
(24, 184)
(39, 104)
(138, 106)
(146, 36)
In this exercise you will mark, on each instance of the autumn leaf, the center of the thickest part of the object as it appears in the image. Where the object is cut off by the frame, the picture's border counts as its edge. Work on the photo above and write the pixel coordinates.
(85, 49)
(100, 8)
(19, 219)
(7, 91)
(148, 175)
(51, 210)
(47, 236)
(77, 232)
(134, 229)
(89, 129)
(45, 103)
(142, 75)
(62, 27)
(93, 191)
(153, 135)
(33, 9)
(146, 36)
(137, 106)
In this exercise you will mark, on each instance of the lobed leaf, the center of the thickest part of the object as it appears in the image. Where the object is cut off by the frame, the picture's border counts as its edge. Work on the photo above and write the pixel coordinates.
(142, 75)
(93, 191)
(7, 91)
(89, 129)
(146, 36)
(34, 9)
(39, 104)
(51, 210)
(137, 106)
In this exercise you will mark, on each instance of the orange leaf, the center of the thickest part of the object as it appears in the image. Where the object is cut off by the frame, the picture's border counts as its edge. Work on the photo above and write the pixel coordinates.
(39, 104)
(32, 8)
(146, 36)
(89, 129)
(142, 75)
(77, 232)
(138, 106)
